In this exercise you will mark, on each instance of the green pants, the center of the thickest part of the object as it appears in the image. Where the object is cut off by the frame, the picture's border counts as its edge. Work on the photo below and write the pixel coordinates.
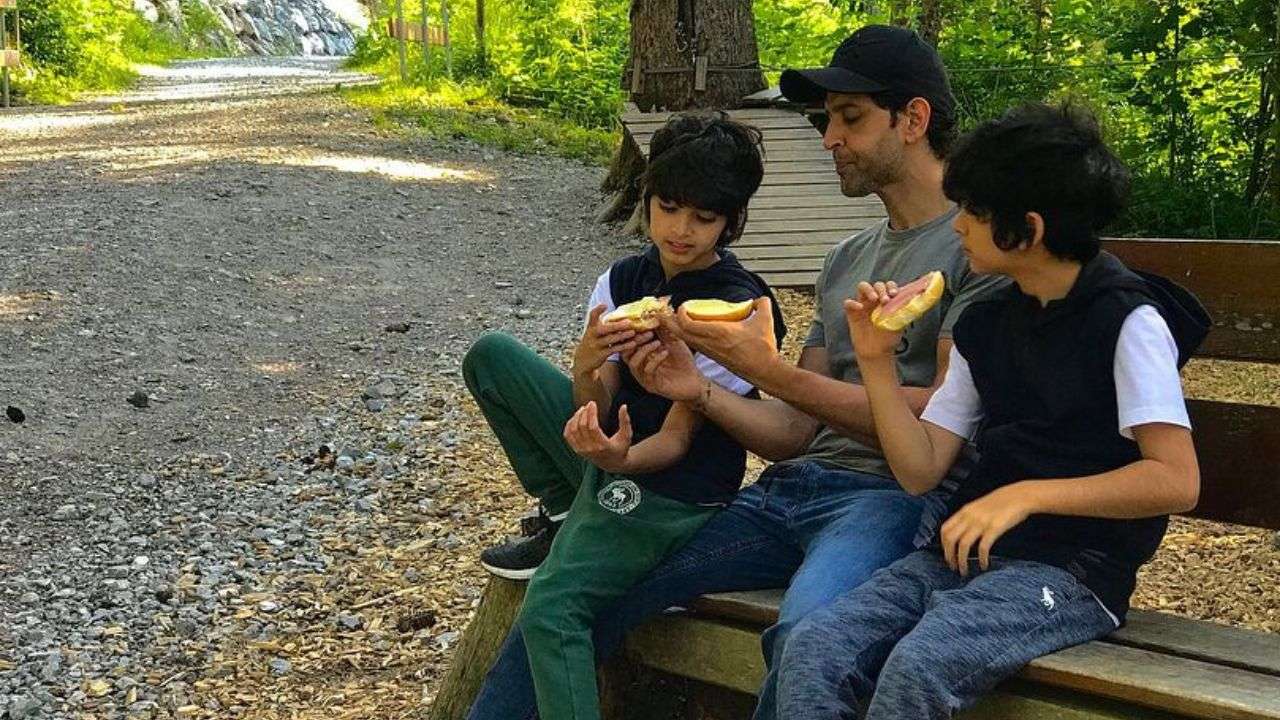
(616, 531)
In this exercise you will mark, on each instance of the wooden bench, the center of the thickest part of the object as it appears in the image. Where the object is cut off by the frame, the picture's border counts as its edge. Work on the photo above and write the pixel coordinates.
(1158, 665)
(707, 662)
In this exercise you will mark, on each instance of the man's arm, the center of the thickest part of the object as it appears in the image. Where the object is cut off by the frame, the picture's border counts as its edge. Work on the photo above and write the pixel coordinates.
(844, 406)
(769, 427)
(747, 349)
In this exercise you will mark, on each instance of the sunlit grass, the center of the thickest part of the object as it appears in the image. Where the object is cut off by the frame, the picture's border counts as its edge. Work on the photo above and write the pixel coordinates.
(451, 110)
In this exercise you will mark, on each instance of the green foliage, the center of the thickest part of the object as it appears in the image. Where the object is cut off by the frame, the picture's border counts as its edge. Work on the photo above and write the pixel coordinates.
(451, 110)
(70, 46)
(1176, 82)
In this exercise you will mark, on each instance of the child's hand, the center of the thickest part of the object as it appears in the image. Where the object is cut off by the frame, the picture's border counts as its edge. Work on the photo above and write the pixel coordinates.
(584, 435)
(666, 367)
(600, 340)
(981, 523)
(870, 341)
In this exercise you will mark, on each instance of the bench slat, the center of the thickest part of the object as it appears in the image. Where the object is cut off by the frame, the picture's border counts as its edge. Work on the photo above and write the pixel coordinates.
(1165, 682)
(794, 280)
(729, 656)
(1198, 640)
(1235, 279)
(1145, 629)
(813, 201)
(836, 213)
(1239, 450)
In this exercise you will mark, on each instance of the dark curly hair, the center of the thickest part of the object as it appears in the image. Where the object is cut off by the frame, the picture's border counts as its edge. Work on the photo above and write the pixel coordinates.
(1047, 159)
(707, 161)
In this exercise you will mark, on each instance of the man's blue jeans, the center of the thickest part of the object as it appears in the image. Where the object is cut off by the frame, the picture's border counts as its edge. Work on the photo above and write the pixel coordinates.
(820, 532)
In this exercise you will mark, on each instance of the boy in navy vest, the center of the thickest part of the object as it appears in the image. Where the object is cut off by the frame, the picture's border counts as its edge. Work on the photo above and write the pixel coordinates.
(1068, 383)
(625, 476)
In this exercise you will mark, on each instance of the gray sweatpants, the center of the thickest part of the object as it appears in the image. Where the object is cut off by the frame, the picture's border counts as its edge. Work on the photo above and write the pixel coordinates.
(919, 641)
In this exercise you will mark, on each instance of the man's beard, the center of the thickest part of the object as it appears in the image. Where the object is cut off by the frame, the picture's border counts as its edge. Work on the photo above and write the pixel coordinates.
(868, 174)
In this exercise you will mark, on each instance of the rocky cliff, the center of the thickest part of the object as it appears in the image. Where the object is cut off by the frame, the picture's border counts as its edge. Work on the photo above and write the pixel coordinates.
(264, 27)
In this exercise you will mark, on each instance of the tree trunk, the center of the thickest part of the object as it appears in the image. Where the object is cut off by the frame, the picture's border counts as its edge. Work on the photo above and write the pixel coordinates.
(479, 647)
(898, 12)
(668, 37)
(931, 21)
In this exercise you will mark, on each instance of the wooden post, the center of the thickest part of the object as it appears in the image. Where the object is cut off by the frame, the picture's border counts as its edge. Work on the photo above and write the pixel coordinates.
(426, 41)
(448, 49)
(484, 61)
(478, 648)
(401, 30)
(4, 52)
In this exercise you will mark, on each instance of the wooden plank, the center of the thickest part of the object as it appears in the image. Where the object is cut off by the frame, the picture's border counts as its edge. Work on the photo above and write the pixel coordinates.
(1145, 629)
(1199, 640)
(801, 166)
(793, 280)
(1235, 279)
(817, 252)
(1239, 450)
(777, 191)
(818, 236)
(827, 182)
(837, 211)
(1020, 700)
(10, 58)
(815, 153)
(729, 656)
(789, 121)
(813, 201)
(786, 265)
(721, 655)
(802, 224)
(1164, 682)
(742, 114)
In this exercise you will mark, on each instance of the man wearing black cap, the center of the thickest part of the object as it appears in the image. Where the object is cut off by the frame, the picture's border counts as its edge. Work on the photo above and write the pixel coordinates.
(828, 513)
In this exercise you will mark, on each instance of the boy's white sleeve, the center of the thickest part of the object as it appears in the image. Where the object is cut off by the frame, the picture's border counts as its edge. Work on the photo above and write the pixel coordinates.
(717, 374)
(1148, 389)
(601, 295)
(955, 405)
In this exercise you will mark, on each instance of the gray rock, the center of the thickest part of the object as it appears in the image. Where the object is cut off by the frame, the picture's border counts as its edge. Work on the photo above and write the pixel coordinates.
(348, 621)
(280, 667)
(23, 706)
(375, 404)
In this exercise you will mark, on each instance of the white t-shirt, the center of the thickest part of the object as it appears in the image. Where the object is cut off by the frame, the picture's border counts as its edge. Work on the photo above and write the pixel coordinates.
(710, 369)
(1148, 389)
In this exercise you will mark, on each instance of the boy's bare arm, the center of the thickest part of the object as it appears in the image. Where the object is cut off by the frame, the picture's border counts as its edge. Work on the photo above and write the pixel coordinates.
(598, 386)
(665, 447)
(1165, 481)
(919, 453)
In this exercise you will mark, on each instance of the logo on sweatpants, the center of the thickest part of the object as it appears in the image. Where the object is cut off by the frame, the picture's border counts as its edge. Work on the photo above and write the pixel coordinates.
(1047, 599)
(620, 496)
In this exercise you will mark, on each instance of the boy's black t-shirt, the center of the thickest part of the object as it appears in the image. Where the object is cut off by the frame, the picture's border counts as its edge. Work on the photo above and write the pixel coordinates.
(1045, 376)
(711, 471)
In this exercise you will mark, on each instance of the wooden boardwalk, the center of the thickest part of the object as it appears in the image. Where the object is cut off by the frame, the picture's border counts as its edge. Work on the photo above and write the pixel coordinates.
(799, 212)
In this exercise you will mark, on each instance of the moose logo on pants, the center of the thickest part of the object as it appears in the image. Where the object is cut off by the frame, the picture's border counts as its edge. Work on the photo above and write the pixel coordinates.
(620, 496)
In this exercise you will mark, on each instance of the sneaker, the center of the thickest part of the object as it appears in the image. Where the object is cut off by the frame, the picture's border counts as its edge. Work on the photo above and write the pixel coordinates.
(517, 560)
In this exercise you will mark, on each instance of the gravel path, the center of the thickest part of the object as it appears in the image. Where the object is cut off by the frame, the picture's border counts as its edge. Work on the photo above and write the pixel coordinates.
(205, 286)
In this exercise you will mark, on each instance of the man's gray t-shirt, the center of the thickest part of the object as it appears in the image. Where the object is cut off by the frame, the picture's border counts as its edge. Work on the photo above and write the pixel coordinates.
(879, 253)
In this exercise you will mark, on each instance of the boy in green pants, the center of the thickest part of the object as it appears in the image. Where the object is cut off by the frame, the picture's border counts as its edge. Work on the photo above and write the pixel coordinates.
(625, 476)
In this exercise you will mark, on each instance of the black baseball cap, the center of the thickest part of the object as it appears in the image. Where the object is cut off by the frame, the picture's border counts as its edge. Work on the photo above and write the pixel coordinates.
(876, 59)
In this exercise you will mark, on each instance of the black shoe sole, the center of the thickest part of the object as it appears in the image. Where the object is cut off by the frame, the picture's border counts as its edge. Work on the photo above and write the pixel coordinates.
(509, 573)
